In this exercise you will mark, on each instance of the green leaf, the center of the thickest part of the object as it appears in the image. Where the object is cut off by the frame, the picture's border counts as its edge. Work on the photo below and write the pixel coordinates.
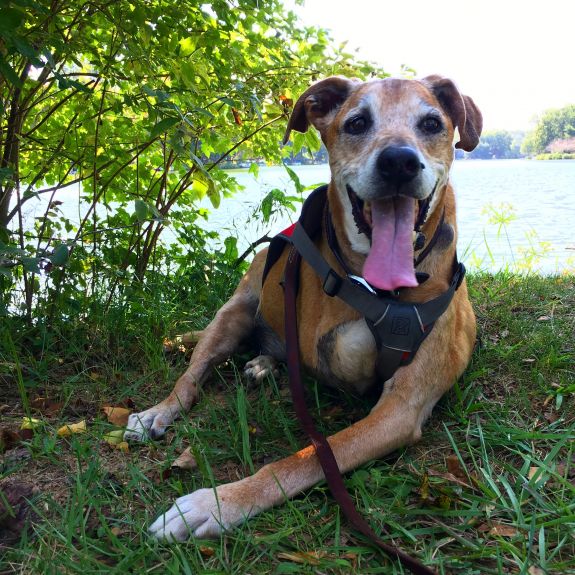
(31, 264)
(312, 140)
(159, 94)
(60, 255)
(295, 179)
(163, 126)
(187, 46)
(254, 169)
(266, 207)
(28, 50)
(10, 19)
(8, 250)
(6, 174)
(231, 252)
(141, 209)
(65, 83)
(213, 194)
(157, 215)
(8, 72)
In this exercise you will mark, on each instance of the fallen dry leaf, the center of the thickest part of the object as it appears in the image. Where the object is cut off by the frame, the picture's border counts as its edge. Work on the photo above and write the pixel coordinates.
(444, 501)
(46, 406)
(551, 416)
(502, 530)
(424, 487)
(186, 460)
(117, 415)
(449, 477)
(207, 551)
(26, 434)
(164, 475)
(30, 423)
(533, 570)
(114, 437)
(66, 430)
(532, 471)
(127, 402)
(123, 446)
(14, 509)
(8, 439)
(455, 468)
(311, 557)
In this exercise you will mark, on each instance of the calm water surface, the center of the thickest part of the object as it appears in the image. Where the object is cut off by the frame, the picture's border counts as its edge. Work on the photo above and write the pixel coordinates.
(539, 194)
(538, 197)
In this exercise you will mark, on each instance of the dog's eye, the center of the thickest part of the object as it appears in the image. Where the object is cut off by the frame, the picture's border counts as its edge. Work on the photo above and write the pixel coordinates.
(356, 125)
(431, 125)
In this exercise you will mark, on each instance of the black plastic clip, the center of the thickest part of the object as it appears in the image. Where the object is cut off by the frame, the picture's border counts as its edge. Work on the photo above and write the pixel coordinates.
(332, 283)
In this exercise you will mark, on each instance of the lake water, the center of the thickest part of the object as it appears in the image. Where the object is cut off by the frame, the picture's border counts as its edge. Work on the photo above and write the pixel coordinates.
(539, 195)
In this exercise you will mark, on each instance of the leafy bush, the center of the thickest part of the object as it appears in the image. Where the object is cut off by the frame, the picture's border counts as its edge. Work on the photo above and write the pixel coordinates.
(131, 109)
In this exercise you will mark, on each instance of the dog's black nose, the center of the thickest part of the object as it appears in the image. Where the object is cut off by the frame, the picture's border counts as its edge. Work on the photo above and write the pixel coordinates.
(398, 164)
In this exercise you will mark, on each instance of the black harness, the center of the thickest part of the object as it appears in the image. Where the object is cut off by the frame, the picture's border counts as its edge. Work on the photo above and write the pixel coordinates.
(399, 328)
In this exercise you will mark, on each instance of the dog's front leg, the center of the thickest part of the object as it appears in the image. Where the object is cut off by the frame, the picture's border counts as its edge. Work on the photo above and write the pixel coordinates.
(233, 323)
(395, 421)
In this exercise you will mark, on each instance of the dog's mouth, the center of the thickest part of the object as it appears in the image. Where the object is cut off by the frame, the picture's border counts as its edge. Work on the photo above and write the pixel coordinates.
(390, 224)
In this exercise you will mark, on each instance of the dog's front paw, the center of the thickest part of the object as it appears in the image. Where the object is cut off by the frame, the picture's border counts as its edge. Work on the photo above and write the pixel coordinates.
(260, 367)
(203, 513)
(151, 423)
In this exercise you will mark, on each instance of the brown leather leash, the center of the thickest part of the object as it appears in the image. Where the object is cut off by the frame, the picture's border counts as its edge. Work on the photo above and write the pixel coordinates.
(320, 443)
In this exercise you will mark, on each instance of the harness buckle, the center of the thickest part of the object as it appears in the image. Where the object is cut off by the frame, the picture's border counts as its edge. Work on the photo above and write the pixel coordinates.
(332, 283)
(358, 280)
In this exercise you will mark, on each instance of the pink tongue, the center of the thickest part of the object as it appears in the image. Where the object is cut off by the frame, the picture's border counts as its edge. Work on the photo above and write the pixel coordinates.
(389, 264)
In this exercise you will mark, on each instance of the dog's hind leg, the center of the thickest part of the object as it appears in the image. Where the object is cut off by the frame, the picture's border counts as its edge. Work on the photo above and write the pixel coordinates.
(233, 323)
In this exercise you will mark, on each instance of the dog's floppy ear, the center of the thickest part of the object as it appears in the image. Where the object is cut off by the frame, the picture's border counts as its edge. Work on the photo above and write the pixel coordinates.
(461, 109)
(317, 102)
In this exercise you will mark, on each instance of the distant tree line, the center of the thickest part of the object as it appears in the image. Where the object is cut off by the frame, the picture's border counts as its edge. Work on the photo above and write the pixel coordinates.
(553, 137)
(554, 132)
(497, 145)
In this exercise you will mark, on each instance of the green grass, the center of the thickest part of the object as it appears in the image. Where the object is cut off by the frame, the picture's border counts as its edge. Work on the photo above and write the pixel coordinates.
(507, 431)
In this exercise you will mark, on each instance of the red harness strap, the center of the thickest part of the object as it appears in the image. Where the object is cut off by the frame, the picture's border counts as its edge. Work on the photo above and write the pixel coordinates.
(320, 443)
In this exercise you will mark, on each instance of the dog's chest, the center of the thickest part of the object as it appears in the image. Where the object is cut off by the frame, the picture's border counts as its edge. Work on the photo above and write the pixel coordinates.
(347, 355)
(343, 356)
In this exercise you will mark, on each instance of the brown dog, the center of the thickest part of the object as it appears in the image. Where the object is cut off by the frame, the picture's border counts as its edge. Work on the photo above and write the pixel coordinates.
(390, 145)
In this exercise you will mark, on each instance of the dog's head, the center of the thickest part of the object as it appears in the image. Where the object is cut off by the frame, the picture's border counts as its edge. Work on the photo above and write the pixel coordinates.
(390, 145)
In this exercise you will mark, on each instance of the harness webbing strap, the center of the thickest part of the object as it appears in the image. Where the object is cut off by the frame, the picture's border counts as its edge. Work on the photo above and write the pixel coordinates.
(320, 443)
(398, 327)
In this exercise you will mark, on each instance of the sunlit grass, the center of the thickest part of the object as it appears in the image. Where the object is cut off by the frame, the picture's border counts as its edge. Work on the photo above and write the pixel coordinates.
(508, 423)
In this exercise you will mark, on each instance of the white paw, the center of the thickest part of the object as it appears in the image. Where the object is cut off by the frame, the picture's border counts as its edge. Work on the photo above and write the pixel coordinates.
(203, 513)
(260, 367)
(151, 423)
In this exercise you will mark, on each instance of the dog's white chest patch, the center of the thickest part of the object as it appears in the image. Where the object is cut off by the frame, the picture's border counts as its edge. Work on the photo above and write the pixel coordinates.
(348, 356)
